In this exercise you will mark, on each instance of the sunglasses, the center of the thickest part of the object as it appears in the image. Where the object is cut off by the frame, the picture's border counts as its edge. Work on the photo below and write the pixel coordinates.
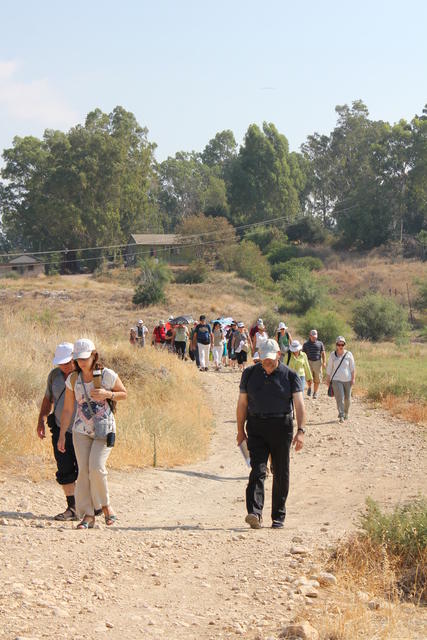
(340, 344)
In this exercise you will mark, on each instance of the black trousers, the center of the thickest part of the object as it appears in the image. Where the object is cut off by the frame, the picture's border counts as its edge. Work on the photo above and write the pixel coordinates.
(180, 348)
(66, 462)
(269, 436)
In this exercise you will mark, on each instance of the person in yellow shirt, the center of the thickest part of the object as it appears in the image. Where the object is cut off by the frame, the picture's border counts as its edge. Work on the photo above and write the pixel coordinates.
(297, 361)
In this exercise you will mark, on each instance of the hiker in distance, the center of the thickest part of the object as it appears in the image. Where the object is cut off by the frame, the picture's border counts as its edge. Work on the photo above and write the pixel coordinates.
(141, 331)
(315, 352)
(202, 342)
(93, 388)
(66, 463)
(267, 391)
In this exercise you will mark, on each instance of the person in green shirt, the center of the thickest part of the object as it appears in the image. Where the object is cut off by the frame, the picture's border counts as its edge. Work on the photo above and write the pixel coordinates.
(297, 361)
(284, 339)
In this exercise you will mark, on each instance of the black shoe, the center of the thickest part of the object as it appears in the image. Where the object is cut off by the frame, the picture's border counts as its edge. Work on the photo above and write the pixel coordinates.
(253, 520)
(68, 515)
(277, 524)
(98, 512)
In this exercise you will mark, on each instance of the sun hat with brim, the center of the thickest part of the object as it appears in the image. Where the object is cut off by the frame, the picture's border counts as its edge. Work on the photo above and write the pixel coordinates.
(340, 339)
(83, 349)
(268, 350)
(295, 346)
(260, 324)
(140, 321)
(282, 326)
(63, 353)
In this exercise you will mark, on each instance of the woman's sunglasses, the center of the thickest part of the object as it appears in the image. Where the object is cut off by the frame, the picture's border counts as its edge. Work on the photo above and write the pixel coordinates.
(340, 344)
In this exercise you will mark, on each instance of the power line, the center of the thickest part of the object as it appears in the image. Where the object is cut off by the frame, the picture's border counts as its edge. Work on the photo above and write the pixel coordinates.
(124, 246)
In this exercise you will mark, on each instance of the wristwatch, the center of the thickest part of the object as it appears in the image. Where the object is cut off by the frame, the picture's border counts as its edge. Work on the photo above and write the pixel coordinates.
(301, 429)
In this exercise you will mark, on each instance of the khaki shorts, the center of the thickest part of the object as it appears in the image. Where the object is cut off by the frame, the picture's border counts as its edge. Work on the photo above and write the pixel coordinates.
(316, 369)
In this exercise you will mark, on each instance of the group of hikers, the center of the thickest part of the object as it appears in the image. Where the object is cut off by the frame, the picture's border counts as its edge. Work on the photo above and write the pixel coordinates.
(81, 395)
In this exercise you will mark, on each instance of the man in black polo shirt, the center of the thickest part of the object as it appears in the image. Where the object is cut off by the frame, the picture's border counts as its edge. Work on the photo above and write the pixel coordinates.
(267, 391)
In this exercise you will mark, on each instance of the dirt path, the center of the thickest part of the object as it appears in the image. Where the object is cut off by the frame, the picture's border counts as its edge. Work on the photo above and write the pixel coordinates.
(181, 563)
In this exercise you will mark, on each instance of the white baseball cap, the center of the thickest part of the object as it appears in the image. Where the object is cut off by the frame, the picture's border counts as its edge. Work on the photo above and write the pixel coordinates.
(83, 348)
(268, 349)
(282, 326)
(140, 321)
(295, 346)
(63, 353)
(240, 324)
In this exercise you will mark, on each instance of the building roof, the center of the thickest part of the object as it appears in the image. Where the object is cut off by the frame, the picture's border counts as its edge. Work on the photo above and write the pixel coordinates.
(150, 239)
(24, 259)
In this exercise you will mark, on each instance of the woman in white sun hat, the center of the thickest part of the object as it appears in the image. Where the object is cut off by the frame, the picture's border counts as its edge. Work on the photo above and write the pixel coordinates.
(297, 361)
(93, 429)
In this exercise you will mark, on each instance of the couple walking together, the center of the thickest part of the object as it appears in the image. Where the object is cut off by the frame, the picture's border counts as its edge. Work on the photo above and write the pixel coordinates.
(79, 407)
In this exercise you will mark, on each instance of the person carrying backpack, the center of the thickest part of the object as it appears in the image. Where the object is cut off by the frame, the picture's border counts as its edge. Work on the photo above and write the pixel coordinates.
(202, 342)
(159, 335)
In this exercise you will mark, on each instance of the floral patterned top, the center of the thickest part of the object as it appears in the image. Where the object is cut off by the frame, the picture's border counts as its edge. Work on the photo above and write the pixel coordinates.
(83, 421)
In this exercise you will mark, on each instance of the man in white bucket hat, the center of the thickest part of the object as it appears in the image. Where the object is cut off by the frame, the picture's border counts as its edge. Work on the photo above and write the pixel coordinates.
(50, 412)
(267, 392)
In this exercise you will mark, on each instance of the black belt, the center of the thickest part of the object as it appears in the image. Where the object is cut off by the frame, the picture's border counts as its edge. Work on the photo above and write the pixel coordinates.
(267, 416)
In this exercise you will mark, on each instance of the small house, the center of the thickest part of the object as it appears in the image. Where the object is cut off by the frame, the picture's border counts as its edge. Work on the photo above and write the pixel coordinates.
(163, 246)
(24, 265)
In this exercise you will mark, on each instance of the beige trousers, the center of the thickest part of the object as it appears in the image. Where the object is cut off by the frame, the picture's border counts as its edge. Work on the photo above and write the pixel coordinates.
(91, 487)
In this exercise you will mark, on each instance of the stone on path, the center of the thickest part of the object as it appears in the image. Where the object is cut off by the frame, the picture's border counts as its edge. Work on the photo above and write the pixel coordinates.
(302, 630)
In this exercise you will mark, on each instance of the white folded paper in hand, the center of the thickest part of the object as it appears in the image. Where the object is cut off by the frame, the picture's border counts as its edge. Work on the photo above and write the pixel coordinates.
(243, 446)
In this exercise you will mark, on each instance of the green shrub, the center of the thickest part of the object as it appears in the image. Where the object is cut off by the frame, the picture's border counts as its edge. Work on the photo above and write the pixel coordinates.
(329, 325)
(308, 229)
(281, 252)
(402, 535)
(378, 318)
(302, 290)
(195, 273)
(271, 321)
(252, 265)
(151, 282)
(287, 269)
(264, 236)
(148, 294)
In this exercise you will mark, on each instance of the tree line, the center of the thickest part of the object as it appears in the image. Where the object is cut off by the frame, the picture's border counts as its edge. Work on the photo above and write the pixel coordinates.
(365, 183)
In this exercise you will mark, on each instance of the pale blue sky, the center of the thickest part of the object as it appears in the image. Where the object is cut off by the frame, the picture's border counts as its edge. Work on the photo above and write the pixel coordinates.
(188, 68)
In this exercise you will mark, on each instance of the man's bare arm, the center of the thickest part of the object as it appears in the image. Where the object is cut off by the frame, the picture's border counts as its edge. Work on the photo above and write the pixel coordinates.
(242, 413)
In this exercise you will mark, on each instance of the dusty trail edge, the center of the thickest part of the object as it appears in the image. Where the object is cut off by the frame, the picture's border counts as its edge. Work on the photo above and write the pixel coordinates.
(181, 563)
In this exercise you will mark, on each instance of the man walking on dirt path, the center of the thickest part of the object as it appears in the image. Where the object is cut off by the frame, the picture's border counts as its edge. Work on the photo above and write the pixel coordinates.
(315, 351)
(202, 342)
(267, 391)
(67, 470)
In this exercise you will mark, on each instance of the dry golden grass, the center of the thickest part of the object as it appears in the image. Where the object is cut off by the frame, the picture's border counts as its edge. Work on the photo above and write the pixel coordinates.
(366, 603)
(350, 280)
(166, 407)
(394, 376)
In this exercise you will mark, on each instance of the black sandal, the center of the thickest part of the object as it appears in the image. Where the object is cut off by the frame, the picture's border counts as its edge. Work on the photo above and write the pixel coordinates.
(67, 515)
